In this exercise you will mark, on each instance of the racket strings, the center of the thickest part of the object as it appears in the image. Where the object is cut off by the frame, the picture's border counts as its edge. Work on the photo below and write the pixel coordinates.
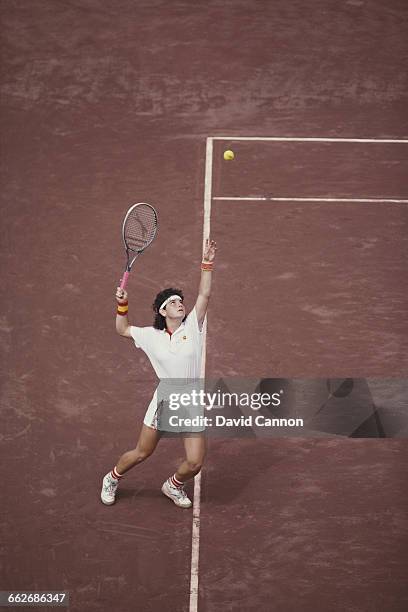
(140, 228)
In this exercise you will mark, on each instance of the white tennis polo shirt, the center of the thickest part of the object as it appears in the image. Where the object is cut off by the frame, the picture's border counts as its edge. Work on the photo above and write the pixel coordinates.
(175, 356)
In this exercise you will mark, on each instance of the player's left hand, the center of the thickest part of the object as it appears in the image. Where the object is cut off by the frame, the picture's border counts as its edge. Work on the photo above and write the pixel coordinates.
(209, 250)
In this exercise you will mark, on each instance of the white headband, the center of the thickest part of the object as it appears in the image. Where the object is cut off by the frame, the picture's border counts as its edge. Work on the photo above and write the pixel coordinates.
(172, 297)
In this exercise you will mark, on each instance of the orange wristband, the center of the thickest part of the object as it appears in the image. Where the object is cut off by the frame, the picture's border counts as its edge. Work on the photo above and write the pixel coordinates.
(207, 266)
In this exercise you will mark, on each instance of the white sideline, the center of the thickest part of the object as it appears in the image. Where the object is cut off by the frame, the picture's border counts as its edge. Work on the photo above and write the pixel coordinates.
(195, 537)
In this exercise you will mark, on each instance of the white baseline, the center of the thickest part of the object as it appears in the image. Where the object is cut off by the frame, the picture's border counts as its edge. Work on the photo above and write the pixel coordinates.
(318, 199)
(306, 139)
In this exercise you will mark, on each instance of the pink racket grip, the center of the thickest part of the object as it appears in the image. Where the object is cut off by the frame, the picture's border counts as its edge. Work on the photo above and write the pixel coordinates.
(124, 280)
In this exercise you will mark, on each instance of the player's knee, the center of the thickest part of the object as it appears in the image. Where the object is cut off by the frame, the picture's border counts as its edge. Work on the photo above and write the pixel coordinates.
(143, 453)
(194, 466)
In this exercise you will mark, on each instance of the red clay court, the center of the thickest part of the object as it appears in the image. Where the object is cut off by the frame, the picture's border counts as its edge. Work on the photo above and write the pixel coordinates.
(105, 104)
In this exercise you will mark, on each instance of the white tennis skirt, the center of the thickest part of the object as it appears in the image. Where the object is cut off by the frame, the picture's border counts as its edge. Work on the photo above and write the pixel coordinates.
(157, 419)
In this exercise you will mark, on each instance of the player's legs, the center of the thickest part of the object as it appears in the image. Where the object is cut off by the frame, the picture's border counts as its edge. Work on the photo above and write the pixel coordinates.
(148, 440)
(146, 444)
(195, 447)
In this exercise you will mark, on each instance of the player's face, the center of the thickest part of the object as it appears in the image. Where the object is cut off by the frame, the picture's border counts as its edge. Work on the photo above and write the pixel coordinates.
(175, 309)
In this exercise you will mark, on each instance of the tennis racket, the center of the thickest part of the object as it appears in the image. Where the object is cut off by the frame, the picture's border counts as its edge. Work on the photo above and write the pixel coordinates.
(138, 230)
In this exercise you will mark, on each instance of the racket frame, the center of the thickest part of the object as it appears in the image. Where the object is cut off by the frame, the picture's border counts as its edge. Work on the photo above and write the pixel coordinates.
(130, 261)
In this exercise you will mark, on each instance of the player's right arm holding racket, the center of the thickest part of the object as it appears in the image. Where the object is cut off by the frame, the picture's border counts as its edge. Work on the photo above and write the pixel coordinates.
(122, 321)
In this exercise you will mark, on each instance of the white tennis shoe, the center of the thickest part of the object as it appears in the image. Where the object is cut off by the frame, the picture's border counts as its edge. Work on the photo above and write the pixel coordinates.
(109, 487)
(177, 495)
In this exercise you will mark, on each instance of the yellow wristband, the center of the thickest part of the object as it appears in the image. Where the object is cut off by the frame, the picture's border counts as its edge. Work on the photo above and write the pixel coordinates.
(123, 308)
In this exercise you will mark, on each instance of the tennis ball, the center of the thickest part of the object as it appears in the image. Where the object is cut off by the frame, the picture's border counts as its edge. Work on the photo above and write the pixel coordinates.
(229, 155)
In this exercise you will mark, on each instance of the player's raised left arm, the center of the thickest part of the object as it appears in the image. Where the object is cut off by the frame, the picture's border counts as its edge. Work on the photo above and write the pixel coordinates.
(204, 290)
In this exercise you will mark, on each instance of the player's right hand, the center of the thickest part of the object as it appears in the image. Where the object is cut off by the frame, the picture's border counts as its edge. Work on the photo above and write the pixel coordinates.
(121, 296)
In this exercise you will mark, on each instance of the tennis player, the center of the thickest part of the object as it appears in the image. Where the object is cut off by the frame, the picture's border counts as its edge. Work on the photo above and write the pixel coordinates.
(174, 347)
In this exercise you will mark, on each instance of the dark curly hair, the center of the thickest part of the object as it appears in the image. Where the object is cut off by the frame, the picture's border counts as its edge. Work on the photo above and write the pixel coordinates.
(159, 320)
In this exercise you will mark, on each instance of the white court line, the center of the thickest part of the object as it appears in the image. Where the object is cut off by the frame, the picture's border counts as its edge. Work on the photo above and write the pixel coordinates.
(298, 139)
(277, 199)
(195, 537)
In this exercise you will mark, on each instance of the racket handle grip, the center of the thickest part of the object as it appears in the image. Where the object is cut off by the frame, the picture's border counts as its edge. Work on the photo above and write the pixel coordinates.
(124, 280)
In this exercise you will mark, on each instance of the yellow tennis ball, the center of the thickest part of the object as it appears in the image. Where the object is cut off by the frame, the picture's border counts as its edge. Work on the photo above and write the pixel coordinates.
(229, 155)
